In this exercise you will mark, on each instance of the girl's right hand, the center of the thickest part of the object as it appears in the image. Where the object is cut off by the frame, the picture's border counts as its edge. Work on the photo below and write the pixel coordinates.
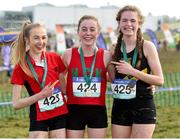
(47, 90)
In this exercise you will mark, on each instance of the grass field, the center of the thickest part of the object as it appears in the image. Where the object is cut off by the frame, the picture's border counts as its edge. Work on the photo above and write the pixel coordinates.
(170, 61)
(168, 125)
(168, 119)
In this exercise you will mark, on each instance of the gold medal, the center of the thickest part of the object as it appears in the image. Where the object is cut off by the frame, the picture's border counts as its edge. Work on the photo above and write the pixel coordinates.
(89, 93)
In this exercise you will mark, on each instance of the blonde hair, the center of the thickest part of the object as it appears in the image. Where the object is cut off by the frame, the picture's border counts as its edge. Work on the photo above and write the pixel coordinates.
(19, 46)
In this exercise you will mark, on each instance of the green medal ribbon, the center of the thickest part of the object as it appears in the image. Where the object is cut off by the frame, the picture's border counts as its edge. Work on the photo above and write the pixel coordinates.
(125, 55)
(87, 78)
(131, 84)
(34, 72)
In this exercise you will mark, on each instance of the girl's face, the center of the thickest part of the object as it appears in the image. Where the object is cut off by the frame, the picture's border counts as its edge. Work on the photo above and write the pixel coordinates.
(129, 23)
(37, 40)
(88, 32)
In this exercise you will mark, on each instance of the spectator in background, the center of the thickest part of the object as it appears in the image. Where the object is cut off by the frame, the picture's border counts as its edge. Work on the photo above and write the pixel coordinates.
(5, 52)
(165, 44)
(177, 38)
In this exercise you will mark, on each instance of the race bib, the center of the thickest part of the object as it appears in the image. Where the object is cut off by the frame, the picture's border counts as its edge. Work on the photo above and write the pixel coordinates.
(52, 102)
(123, 89)
(82, 89)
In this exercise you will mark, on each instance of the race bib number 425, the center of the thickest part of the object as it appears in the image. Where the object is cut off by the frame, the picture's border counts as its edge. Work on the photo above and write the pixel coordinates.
(121, 90)
(54, 101)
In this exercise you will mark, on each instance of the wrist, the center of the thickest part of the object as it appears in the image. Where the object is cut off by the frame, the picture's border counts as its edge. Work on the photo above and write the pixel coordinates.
(40, 96)
(133, 73)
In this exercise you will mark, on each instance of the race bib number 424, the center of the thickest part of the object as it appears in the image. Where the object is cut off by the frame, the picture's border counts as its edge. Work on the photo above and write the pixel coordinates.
(82, 89)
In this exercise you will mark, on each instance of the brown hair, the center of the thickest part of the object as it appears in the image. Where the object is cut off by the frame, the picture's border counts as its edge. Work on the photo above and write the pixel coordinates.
(19, 46)
(87, 17)
(140, 40)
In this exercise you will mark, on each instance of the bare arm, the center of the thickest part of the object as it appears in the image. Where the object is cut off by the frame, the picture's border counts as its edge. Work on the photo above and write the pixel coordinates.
(156, 78)
(66, 57)
(110, 68)
(62, 79)
(19, 102)
(111, 72)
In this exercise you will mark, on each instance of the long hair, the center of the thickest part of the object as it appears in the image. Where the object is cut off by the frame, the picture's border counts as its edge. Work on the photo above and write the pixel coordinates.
(20, 47)
(140, 40)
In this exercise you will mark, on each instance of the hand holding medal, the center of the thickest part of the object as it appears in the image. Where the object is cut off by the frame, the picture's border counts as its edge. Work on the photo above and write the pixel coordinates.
(125, 68)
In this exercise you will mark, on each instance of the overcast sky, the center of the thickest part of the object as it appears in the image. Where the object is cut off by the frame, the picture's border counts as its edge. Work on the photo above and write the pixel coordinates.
(156, 7)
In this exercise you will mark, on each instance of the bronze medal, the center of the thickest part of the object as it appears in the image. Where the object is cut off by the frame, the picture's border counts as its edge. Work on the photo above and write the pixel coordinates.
(131, 84)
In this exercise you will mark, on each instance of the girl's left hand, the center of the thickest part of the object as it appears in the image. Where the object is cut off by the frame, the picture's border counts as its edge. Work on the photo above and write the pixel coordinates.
(152, 88)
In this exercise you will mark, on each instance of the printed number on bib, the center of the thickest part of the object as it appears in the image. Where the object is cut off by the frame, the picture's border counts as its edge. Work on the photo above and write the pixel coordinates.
(121, 90)
(54, 101)
(82, 89)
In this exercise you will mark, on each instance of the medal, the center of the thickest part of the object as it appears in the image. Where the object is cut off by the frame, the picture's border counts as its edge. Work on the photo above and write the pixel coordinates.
(131, 84)
(40, 64)
(44, 65)
(88, 93)
(88, 78)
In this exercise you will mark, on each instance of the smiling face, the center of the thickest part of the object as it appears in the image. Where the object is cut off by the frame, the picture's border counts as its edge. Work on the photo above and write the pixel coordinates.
(129, 23)
(129, 20)
(88, 32)
(37, 40)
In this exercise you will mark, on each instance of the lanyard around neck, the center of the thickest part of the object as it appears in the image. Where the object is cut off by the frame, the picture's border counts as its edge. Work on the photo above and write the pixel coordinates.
(125, 54)
(34, 72)
(87, 78)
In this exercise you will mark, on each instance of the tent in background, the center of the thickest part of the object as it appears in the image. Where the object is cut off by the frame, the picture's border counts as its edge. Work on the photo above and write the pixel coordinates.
(7, 37)
(168, 36)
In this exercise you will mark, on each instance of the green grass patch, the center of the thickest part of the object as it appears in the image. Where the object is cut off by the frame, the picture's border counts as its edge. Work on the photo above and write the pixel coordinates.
(14, 127)
(168, 125)
(170, 61)
(168, 122)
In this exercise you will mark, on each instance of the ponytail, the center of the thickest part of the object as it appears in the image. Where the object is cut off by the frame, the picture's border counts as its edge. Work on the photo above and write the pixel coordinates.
(20, 47)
